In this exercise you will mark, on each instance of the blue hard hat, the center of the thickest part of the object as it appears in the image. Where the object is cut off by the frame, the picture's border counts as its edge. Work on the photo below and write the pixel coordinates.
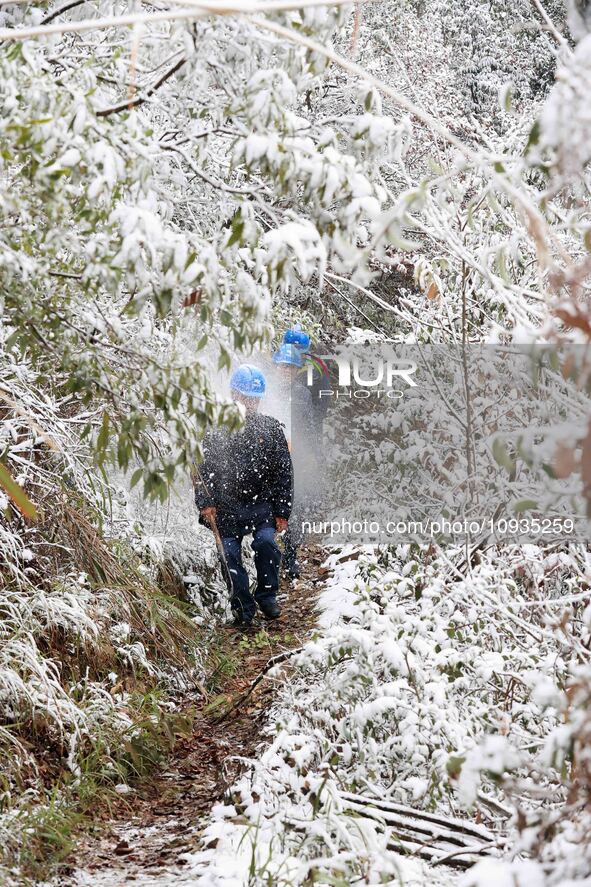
(288, 354)
(248, 380)
(296, 336)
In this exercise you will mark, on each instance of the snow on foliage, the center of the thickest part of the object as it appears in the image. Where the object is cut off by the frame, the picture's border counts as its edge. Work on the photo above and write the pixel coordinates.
(140, 249)
(431, 689)
(163, 195)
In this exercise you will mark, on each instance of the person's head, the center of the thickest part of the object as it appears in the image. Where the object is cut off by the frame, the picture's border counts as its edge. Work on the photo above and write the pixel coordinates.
(248, 386)
(288, 360)
(296, 336)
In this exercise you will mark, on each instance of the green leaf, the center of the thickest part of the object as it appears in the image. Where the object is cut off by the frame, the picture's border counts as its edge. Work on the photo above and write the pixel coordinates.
(13, 339)
(525, 505)
(454, 765)
(136, 477)
(124, 450)
(501, 454)
(224, 361)
(103, 436)
(190, 259)
(237, 228)
(534, 136)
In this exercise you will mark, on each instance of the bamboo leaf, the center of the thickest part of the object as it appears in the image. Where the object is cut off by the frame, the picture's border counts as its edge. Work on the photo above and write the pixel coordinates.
(17, 494)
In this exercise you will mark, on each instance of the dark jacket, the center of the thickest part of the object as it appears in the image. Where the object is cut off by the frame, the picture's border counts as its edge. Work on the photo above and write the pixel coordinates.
(246, 474)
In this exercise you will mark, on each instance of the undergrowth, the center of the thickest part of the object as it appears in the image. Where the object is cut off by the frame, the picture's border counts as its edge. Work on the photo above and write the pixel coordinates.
(43, 827)
(93, 654)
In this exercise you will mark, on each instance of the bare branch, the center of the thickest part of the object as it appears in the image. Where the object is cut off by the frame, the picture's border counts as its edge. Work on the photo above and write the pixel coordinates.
(215, 183)
(57, 12)
(550, 26)
(273, 661)
(143, 97)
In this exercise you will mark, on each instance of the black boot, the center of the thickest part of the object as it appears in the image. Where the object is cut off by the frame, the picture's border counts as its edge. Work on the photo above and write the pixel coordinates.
(237, 625)
(238, 620)
(271, 610)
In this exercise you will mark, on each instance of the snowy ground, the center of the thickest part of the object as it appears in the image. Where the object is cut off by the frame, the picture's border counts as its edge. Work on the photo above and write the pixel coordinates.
(422, 696)
(271, 831)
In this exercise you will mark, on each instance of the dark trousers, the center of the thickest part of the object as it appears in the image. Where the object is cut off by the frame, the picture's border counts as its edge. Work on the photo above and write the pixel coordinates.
(266, 558)
(293, 537)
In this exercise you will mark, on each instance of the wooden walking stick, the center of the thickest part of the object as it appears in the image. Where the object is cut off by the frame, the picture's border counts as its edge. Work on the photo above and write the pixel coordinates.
(220, 547)
(216, 535)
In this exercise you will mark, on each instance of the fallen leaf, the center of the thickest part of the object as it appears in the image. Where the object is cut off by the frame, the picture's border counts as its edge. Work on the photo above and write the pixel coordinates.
(574, 317)
(193, 299)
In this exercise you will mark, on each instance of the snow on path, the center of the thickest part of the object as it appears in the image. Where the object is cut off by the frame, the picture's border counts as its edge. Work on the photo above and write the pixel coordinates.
(255, 839)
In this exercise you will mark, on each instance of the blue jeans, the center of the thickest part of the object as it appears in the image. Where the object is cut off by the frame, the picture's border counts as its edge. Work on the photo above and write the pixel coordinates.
(266, 558)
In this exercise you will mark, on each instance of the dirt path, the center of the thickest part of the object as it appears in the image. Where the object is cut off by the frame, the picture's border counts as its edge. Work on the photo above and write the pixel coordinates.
(161, 819)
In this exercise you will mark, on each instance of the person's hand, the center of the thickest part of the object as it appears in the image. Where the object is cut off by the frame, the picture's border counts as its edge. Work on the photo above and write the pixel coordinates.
(208, 515)
(280, 524)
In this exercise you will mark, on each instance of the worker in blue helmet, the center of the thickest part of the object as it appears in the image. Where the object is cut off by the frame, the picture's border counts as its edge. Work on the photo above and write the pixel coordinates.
(296, 336)
(248, 382)
(298, 418)
(244, 486)
(288, 356)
